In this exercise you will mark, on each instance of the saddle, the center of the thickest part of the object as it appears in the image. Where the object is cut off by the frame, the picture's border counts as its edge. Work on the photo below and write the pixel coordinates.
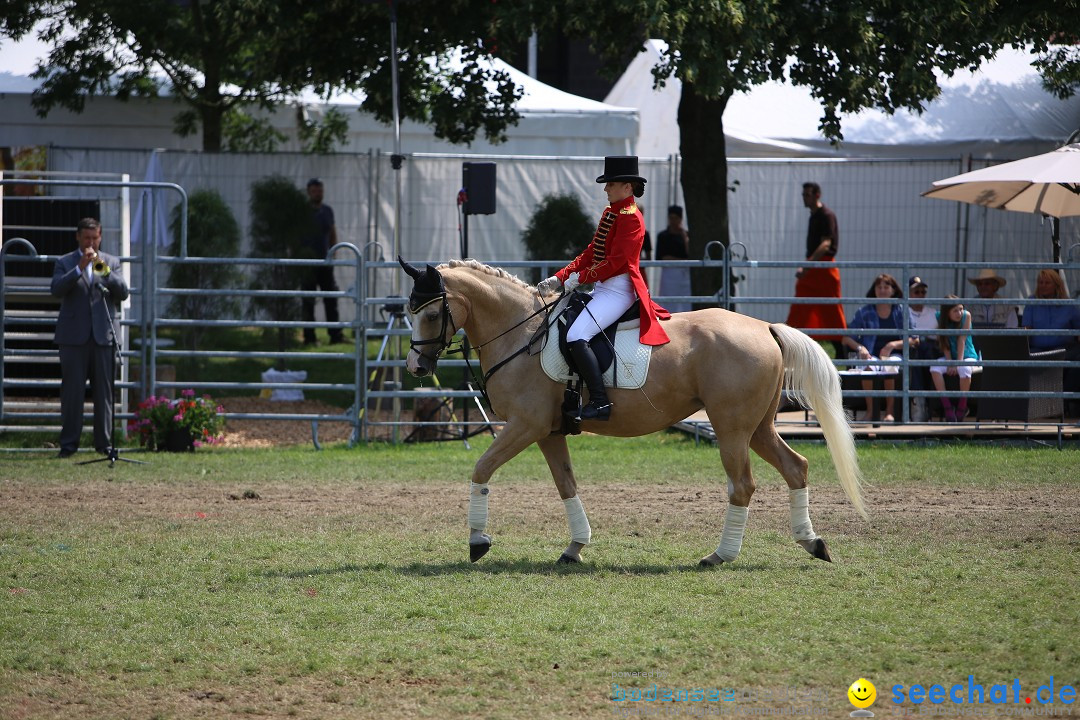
(620, 340)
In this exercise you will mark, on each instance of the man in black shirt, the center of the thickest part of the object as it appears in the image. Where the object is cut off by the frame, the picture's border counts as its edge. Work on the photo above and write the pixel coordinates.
(323, 276)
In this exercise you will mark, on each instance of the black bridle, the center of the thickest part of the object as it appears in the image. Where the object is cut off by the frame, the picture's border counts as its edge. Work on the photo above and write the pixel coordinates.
(444, 344)
(428, 288)
(440, 339)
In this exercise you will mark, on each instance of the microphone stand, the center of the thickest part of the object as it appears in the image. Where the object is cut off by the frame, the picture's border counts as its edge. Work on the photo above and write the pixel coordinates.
(112, 454)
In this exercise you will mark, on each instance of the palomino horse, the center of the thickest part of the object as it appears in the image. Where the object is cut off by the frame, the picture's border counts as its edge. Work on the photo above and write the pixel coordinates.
(733, 366)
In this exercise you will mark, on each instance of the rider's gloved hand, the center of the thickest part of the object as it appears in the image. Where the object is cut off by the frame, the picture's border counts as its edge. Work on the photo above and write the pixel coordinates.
(571, 283)
(546, 287)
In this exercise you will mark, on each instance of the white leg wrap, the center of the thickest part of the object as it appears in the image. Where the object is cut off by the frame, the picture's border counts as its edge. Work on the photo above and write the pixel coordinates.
(732, 537)
(800, 515)
(579, 523)
(478, 506)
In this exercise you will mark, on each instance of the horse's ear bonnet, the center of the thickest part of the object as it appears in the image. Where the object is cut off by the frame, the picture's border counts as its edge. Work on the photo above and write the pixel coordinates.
(427, 286)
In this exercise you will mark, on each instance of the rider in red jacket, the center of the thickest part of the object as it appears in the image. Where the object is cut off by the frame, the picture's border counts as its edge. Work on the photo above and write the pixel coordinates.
(612, 261)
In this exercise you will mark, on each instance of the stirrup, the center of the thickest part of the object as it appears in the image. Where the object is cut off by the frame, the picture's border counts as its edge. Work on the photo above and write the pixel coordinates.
(596, 412)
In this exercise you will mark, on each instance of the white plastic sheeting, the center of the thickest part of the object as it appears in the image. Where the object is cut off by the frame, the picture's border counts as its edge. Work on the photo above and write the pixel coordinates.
(882, 218)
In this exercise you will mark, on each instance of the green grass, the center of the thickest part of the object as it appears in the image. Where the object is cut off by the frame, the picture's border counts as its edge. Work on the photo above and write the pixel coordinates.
(344, 589)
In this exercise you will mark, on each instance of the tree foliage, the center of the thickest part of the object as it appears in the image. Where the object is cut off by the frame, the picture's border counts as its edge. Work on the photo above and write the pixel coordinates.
(850, 54)
(558, 228)
(281, 217)
(228, 58)
(212, 232)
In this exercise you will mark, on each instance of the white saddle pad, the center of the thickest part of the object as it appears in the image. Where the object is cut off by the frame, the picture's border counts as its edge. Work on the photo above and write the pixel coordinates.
(628, 370)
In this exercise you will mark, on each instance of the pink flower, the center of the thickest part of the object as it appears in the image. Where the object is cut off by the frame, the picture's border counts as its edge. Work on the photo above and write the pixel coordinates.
(178, 418)
(187, 393)
(197, 443)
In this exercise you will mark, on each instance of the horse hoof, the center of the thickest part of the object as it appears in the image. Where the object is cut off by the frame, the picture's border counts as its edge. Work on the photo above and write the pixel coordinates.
(479, 550)
(565, 559)
(711, 560)
(821, 551)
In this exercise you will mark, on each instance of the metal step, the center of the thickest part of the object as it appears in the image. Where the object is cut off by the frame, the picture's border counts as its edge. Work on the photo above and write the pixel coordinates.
(30, 428)
(27, 336)
(34, 405)
(28, 383)
(45, 314)
(48, 357)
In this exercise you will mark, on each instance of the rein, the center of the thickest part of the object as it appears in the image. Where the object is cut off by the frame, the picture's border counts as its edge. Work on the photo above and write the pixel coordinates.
(548, 322)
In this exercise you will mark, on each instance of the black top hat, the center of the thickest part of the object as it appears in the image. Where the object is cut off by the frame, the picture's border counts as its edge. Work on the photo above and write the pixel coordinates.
(620, 168)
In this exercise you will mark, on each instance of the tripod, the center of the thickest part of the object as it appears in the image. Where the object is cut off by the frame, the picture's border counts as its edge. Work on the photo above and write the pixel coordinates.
(112, 454)
(395, 313)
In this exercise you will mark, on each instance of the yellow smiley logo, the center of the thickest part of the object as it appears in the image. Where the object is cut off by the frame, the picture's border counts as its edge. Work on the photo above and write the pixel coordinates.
(862, 693)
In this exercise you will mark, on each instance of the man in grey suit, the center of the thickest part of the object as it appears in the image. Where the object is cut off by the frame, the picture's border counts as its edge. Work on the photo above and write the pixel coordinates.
(84, 332)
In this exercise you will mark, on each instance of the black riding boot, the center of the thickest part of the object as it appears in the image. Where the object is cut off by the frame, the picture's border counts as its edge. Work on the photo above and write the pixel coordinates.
(599, 408)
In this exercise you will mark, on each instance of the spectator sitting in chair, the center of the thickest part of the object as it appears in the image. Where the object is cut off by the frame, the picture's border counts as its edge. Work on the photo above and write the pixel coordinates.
(1050, 285)
(987, 283)
(923, 344)
(954, 317)
(878, 316)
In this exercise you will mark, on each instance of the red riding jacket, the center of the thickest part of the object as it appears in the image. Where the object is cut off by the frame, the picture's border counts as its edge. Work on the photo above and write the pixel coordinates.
(616, 249)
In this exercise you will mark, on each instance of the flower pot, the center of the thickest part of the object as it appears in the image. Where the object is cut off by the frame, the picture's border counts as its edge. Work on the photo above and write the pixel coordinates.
(179, 441)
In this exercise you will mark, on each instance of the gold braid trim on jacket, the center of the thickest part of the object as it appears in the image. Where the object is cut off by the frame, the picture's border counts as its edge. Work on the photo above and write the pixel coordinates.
(599, 241)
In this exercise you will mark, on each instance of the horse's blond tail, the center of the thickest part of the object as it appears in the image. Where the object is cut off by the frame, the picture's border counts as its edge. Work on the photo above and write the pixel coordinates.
(811, 379)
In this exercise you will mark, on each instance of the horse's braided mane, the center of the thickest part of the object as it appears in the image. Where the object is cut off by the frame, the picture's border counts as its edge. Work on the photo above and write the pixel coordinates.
(487, 270)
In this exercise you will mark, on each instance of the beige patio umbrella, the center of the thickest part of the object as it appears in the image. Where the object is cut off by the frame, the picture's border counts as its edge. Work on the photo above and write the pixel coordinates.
(1048, 184)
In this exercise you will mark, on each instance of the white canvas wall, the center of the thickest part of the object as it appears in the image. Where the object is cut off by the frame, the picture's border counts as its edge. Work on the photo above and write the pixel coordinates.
(882, 218)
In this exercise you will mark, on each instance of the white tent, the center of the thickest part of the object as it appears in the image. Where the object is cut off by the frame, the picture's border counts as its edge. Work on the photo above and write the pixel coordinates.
(553, 122)
(1000, 111)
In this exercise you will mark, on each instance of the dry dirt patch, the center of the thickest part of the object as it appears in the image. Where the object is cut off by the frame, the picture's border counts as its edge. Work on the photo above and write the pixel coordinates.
(1022, 514)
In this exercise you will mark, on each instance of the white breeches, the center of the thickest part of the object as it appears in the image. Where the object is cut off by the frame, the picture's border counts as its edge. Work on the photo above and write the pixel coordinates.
(610, 299)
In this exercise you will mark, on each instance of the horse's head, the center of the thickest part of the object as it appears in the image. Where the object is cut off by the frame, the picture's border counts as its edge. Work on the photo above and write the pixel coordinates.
(432, 321)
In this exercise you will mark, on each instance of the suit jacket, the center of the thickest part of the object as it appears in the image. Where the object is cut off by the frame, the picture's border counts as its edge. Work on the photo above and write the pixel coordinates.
(83, 307)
